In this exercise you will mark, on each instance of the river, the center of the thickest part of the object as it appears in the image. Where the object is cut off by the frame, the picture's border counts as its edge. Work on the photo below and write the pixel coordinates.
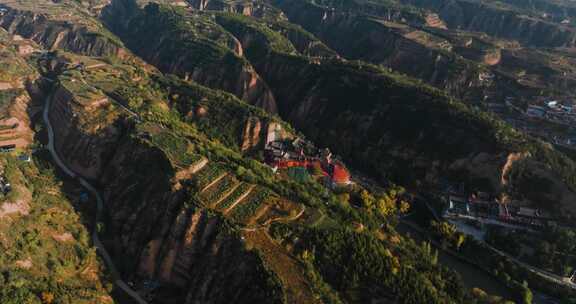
(472, 276)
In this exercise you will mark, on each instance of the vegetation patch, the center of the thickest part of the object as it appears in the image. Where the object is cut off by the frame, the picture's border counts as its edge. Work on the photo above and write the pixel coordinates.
(234, 196)
(34, 264)
(216, 192)
(247, 208)
(207, 175)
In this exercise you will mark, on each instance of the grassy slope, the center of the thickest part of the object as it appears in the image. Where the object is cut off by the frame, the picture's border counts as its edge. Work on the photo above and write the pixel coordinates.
(47, 250)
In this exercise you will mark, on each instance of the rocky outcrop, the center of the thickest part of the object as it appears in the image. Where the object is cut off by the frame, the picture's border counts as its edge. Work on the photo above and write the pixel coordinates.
(252, 134)
(174, 48)
(433, 20)
(15, 125)
(510, 160)
(239, 79)
(84, 150)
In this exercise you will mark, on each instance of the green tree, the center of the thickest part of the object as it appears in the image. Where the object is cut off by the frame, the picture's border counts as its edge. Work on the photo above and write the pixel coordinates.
(527, 296)
(317, 170)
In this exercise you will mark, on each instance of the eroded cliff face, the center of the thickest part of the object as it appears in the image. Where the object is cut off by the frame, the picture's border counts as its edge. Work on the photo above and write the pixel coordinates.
(387, 11)
(257, 9)
(16, 124)
(158, 35)
(252, 134)
(328, 101)
(391, 44)
(55, 34)
(153, 229)
(83, 142)
(502, 23)
(451, 56)
(162, 237)
(554, 10)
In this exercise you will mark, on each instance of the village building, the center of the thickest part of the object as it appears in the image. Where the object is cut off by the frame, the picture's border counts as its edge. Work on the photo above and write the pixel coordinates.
(340, 176)
(552, 104)
(24, 157)
(287, 154)
(535, 111)
(458, 205)
(528, 212)
(5, 186)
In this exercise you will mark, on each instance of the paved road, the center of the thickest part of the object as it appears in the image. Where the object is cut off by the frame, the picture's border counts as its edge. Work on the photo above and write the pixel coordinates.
(491, 221)
(99, 206)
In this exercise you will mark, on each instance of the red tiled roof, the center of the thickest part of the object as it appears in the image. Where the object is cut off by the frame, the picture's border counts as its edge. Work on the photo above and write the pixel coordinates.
(340, 175)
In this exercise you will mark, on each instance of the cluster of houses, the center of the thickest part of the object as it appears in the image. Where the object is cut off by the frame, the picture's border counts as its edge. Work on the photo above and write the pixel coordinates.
(552, 110)
(295, 154)
(481, 205)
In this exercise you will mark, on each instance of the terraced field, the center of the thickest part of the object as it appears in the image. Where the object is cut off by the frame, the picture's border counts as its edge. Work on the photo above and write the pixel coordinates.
(241, 191)
(245, 204)
(208, 175)
(218, 191)
(278, 209)
(243, 211)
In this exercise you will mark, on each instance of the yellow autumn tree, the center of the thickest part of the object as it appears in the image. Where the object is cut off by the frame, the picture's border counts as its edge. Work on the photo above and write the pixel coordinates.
(404, 207)
(47, 297)
(368, 199)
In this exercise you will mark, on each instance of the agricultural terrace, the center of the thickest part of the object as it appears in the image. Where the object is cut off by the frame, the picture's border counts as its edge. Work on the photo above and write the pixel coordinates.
(244, 204)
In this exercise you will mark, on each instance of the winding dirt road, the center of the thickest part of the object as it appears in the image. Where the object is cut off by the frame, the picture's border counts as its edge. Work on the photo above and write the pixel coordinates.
(99, 206)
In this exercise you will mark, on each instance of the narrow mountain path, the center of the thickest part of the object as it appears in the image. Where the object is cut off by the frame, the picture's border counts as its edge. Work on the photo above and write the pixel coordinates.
(99, 206)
